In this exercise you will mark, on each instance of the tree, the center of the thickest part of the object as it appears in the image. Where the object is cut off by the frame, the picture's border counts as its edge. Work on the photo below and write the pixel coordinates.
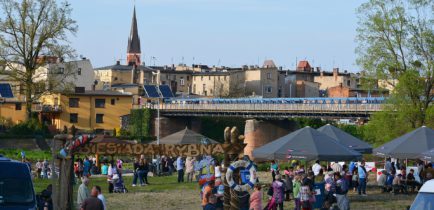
(396, 48)
(28, 30)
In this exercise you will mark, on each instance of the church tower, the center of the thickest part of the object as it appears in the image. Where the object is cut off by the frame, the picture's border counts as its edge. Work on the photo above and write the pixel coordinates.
(133, 49)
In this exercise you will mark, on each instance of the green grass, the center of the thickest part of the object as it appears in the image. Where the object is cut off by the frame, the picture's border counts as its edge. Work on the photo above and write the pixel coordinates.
(31, 155)
(157, 184)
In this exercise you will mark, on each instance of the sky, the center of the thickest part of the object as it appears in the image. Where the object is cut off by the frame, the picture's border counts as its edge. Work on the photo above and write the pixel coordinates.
(220, 32)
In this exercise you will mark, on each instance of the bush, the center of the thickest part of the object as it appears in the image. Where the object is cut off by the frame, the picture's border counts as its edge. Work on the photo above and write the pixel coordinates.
(31, 127)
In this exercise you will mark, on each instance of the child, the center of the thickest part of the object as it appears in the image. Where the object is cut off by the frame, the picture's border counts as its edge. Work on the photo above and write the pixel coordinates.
(305, 197)
(296, 191)
(355, 180)
(256, 198)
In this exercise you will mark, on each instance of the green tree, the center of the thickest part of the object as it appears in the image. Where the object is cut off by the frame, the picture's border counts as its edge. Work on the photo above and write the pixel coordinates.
(396, 48)
(29, 29)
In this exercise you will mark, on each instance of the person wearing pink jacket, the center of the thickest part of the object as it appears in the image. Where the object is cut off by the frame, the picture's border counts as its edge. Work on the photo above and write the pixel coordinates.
(256, 198)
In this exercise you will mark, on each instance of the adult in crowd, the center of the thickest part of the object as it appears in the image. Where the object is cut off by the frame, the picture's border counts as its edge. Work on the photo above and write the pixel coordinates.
(104, 168)
(45, 167)
(169, 165)
(86, 167)
(319, 178)
(217, 169)
(278, 191)
(352, 167)
(141, 171)
(341, 192)
(316, 167)
(336, 167)
(427, 173)
(189, 168)
(398, 185)
(135, 171)
(180, 169)
(92, 202)
(39, 166)
(288, 186)
(381, 181)
(274, 168)
(101, 196)
(388, 166)
(363, 178)
(112, 175)
(83, 191)
(411, 181)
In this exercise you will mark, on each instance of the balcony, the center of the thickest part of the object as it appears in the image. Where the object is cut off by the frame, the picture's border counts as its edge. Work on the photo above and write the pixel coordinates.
(47, 108)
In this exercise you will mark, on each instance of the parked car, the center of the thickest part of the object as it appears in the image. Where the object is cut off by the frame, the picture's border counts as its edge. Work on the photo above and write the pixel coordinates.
(425, 198)
(16, 186)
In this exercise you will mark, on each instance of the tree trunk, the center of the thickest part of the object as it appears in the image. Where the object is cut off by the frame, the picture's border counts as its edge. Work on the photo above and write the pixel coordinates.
(29, 100)
(62, 188)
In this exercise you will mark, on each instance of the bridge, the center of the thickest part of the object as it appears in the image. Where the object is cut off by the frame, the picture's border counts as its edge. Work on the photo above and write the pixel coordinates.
(266, 119)
(272, 108)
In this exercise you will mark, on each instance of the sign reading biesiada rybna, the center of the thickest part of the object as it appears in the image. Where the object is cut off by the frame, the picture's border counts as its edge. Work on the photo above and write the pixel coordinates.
(154, 149)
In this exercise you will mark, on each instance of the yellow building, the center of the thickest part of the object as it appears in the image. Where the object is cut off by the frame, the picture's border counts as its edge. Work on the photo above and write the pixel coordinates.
(13, 111)
(89, 110)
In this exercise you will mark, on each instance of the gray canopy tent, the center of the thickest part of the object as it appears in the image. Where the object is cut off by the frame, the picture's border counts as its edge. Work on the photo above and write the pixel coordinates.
(346, 139)
(408, 146)
(305, 144)
(428, 155)
(186, 136)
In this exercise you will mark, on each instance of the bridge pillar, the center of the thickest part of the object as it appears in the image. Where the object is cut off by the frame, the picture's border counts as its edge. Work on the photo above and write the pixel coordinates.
(258, 133)
(170, 125)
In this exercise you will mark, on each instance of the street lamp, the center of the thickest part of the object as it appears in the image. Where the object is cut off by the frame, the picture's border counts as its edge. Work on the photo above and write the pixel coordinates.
(158, 107)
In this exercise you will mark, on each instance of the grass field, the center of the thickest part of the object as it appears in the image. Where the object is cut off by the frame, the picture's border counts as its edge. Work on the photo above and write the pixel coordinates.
(165, 193)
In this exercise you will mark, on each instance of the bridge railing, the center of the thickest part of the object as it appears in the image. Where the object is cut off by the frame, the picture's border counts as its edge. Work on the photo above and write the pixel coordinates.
(366, 107)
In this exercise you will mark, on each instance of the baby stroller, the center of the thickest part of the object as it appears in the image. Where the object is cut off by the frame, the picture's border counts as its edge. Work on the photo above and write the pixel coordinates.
(119, 186)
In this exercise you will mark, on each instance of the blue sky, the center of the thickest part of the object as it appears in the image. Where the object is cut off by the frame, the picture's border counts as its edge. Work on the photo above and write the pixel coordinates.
(226, 32)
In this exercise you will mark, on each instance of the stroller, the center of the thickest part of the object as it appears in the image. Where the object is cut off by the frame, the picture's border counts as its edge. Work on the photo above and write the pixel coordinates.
(119, 186)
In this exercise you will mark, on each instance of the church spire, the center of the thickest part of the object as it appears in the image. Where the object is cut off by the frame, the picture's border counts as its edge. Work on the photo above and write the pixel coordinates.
(133, 49)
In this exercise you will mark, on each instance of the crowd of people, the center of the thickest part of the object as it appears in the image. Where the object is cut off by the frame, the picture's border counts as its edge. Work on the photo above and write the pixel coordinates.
(323, 186)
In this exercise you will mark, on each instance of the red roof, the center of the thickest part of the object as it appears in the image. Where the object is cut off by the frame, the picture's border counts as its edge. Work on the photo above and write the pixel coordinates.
(303, 65)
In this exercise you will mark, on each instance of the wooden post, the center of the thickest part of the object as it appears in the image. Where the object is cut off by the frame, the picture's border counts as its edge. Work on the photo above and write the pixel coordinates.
(235, 201)
(227, 194)
(62, 188)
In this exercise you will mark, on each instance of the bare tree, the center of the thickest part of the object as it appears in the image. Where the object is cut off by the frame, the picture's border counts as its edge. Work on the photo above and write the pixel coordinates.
(28, 30)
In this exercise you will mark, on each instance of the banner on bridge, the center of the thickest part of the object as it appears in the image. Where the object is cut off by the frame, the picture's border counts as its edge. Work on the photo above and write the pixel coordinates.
(186, 150)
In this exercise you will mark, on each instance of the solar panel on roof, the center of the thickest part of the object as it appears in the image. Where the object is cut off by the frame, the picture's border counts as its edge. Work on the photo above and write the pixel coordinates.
(151, 91)
(6, 90)
(165, 91)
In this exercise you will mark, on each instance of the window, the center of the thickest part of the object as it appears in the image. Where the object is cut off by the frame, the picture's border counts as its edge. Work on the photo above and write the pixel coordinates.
(209, 77)
(18, 106)
(79, 71)
(99, 103)
(112, 101)
(174, 77)
(167, 76)
(188, 78)
(73, 118)
(194, 88)
(348, 83)
(73, 102)
(182, 82)
(60, 70)
(116, 78)
(268, 75)
(201, 78)
(99, 118)
(268, 89)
